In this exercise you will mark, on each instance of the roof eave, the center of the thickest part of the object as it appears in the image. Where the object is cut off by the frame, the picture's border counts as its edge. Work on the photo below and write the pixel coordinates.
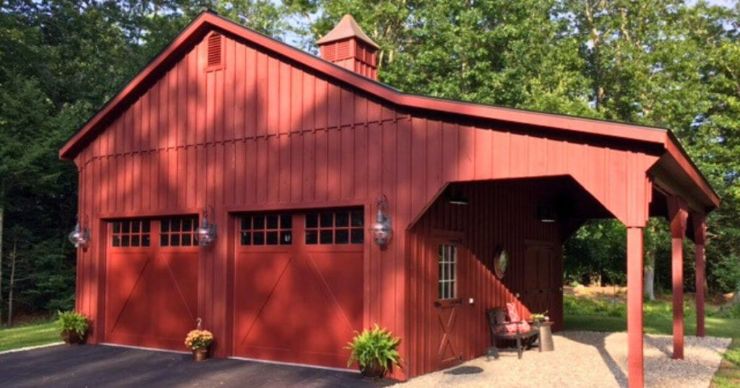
(546, 120)
(560, 122)
(678, 153)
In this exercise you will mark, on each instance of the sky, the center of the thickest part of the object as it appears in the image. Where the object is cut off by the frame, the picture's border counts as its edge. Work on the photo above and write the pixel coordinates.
(724, 3)
(721, 3)
(296, 41)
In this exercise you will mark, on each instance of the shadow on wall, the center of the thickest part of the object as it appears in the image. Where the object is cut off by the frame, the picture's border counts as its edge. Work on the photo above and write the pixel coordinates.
(233, 139)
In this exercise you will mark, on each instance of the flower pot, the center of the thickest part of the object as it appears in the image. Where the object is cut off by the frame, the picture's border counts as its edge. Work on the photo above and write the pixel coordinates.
(72, 338)
(373, 369)
(200, 354)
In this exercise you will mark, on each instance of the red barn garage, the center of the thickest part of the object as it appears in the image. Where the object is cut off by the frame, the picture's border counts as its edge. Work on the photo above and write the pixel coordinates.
(289, 157)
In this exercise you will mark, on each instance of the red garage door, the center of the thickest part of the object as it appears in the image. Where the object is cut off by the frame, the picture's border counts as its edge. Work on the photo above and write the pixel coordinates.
(298, 286)
(151, 282)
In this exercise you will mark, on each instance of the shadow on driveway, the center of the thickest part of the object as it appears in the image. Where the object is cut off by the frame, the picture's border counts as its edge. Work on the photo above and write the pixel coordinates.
(96, 366)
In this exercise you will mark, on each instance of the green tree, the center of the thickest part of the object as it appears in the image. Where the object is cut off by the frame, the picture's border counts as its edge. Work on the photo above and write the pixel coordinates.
(62, 60)
(669, 63)
(484, 51)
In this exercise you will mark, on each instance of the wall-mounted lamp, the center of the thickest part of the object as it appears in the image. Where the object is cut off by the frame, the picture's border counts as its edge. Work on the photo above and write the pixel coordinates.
(546, 214)
(500, 262)
(381, 229)
(206, 231)
(80, 237)
(455, 197)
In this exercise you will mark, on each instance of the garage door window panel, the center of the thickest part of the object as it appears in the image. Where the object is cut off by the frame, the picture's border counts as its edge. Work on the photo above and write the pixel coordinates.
(335, 227)
(178, 232)
(266, 229)
(133, 233)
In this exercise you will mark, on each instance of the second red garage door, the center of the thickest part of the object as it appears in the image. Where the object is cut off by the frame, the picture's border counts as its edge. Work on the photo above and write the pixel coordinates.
(298, 284)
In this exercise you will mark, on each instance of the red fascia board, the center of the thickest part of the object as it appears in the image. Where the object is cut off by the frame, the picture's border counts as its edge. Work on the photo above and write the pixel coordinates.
(518, 116)
(676, 151)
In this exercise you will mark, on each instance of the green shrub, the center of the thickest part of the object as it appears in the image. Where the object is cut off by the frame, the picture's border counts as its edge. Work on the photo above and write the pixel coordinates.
(374, 345)
(726, 311)
(583, 306)
(723, 271)
(70, 321)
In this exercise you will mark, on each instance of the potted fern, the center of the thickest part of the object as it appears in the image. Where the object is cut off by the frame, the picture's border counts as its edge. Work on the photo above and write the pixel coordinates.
(375, 351)
(73, 327)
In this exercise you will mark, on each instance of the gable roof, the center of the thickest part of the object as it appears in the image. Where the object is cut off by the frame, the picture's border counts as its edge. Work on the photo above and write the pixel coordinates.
(347, 28)
(208, 21)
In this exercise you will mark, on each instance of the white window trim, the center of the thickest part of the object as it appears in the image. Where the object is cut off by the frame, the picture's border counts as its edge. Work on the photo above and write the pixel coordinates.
(447, 280)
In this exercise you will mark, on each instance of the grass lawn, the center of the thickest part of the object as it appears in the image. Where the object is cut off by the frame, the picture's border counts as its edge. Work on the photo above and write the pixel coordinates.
(602, 315)
(31, 334)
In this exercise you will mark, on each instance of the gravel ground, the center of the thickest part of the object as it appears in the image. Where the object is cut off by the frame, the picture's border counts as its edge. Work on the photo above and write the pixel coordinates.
(588, 359)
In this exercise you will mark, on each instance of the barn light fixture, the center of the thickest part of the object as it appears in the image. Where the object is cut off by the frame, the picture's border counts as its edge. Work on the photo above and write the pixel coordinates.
(381, 229)
(500, 262)
(206, 232)
(455, 197)
(80, 236)
(546, 214)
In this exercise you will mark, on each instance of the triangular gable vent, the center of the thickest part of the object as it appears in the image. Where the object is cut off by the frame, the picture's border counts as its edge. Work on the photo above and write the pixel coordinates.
(215, 55)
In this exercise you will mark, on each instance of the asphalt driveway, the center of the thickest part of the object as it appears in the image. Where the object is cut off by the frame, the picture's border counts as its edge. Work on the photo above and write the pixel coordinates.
(108, 366)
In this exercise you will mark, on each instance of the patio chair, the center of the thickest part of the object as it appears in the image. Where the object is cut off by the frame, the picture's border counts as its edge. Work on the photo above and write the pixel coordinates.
(506, 325)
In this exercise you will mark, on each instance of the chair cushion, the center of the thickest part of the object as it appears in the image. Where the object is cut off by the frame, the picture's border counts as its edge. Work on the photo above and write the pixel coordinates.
(511, 328)
(514, 317)
(513, 314)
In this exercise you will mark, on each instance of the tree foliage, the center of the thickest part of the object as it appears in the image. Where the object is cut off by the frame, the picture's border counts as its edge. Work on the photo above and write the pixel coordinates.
(62, 60)
(668, 63)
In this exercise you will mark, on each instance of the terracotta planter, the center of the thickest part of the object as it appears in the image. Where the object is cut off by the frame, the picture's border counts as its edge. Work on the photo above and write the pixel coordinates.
(374, 370)
(72, 338)
(200, 354)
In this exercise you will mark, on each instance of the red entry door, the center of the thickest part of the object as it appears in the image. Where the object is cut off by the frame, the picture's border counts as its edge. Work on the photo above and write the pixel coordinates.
(151, 282)
(543, 280)
(298, 286)
(447, 254)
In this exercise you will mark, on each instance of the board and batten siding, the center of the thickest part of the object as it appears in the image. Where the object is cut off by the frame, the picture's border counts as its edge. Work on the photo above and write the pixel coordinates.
(500, 215)
(266, 133)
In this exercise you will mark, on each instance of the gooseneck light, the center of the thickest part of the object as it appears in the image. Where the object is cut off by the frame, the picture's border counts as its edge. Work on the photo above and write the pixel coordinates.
(79, 237)
(381, 229)
(206, 231)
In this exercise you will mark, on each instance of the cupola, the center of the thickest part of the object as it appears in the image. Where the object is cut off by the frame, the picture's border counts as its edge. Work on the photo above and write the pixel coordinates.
(348, 46)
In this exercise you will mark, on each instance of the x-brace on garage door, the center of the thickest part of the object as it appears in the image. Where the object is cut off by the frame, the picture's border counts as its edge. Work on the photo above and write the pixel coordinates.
(298, 285)
(151, 281)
